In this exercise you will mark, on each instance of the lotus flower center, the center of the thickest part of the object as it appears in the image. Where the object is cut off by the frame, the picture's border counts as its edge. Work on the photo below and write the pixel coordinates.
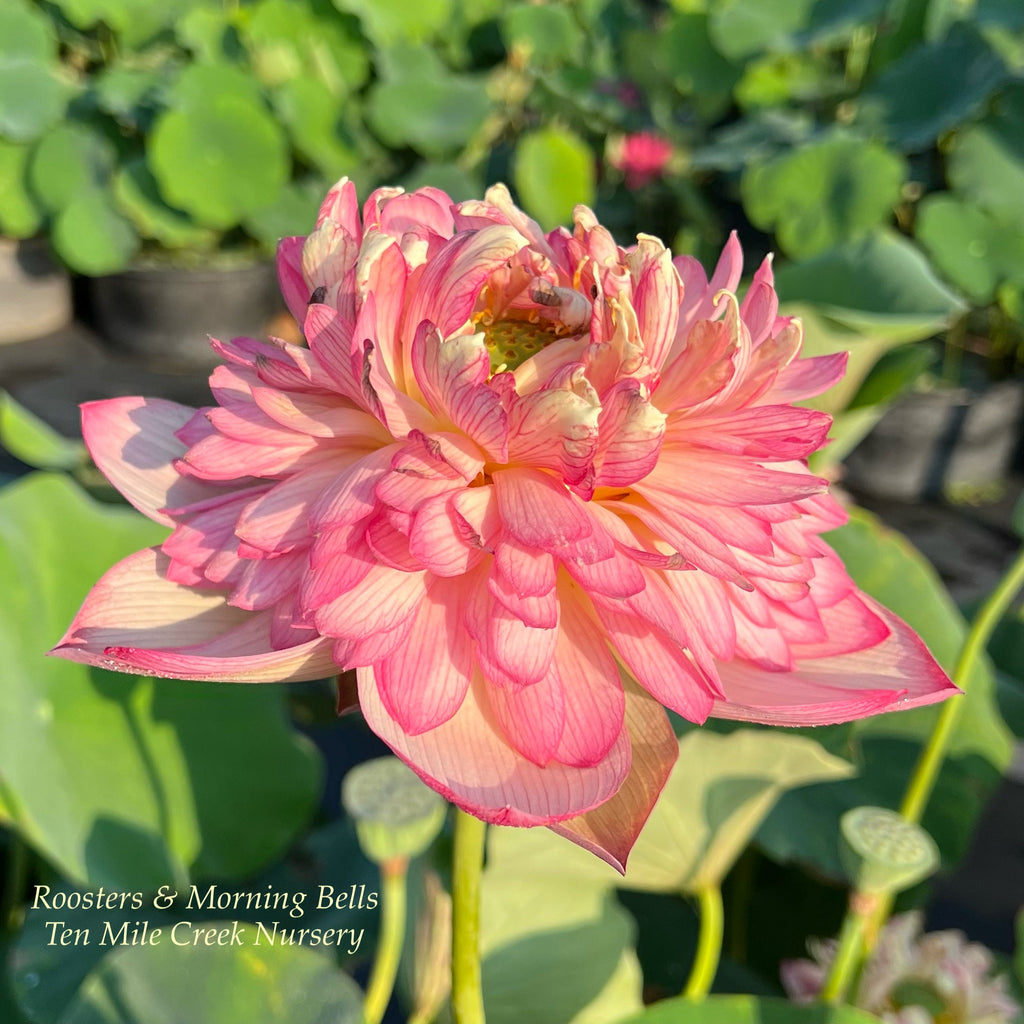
(511, 342)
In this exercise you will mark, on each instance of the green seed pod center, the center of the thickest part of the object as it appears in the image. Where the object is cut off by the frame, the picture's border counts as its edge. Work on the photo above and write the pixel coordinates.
(511, 342)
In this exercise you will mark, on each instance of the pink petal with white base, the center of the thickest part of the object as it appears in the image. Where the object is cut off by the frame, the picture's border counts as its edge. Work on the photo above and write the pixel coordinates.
(133, 442)
(896, 674)
(610, 830)
(470, 763)
(423, 683)
(135, 620)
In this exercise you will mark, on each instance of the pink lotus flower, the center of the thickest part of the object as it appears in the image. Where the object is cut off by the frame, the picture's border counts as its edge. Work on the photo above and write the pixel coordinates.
(532, 487)
(641, 157)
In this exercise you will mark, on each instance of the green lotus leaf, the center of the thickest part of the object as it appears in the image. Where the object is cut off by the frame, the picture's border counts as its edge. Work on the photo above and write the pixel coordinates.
(824, 193)
(118, 780)
(72, 160)
(933, 88)
(974, 249)
(435, 115)
(138, 195)
(554, 170)
(387, 22)
(91, 236)
(219, 160)
(20, 217)
(32, 98)
(25, 34)
(250, 981)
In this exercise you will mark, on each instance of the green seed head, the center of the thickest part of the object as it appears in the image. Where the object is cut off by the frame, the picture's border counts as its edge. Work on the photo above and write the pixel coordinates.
(396, 815)
(511, 342)
(883, 852)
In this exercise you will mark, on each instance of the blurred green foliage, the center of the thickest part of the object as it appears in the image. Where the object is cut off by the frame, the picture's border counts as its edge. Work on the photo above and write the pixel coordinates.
(196, 123)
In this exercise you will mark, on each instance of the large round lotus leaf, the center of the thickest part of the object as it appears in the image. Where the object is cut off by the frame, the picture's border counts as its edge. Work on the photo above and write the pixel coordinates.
(933, 88)
(575, 946)
(436, 116)
(19, 215)
(32, 98)
(550, 35)
(289, 39)
(823, 194)
(973, 249)
(249, 981)
(200, 84)
(71, 160)
(554, 170)
(740, 28)
(986, 162)
(314, 121)
(136, 193)
(219, 161)
(118, 780)
(399, 21)
(92, 237)
(25, 33)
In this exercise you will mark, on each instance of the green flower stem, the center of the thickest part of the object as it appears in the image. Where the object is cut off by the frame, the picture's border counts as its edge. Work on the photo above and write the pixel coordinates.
(926, 771)
(849, 952)
(868, 914)
(389, 945)
(467, 863)
(709, 942)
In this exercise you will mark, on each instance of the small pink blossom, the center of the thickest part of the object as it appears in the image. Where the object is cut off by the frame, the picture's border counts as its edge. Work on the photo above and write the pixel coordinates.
(641, 157)
(532, 487)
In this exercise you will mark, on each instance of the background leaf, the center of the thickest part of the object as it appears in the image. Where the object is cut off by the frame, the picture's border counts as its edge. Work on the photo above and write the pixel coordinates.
(116, 779)
(824, 193)
(554, 170)
(719, 791)
(259, 984)
(747, 1010)
(92, 236)
(880, 284)
(20, 217)
(435, 114)
(35, 442)
(569, 937)
(933, 88)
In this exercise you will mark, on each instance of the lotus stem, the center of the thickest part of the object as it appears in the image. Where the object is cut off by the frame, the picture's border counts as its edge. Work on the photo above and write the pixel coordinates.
(850, 949)
(922, 782)
(394, 875)
(862, 926)
(467, 864)
(709, 942)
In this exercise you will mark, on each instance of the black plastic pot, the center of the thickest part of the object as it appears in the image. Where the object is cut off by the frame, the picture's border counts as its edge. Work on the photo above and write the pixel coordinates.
(936, 443)
(35, 291)
(166, 315)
